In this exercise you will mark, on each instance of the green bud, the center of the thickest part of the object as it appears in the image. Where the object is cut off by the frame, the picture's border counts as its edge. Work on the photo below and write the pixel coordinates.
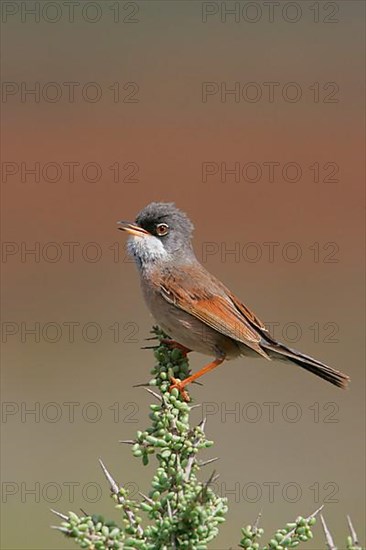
(73, 517)
(247, 531)
(145, 507)
(176, 354)
(165, 453)
(105, 531)
(151, 439)
(181, 426)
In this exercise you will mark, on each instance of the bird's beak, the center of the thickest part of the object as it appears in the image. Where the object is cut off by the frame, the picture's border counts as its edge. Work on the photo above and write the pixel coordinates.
(132, 229)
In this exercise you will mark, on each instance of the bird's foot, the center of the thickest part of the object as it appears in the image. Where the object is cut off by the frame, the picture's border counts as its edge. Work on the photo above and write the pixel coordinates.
(179, 385)
(172, 344)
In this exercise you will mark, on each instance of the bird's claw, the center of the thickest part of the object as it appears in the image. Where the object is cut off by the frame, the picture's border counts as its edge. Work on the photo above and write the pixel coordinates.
(179, 385)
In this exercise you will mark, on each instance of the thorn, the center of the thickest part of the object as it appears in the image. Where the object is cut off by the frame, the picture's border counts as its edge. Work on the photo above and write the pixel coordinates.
(144, 384)
(62, 516)
(195, 406)
(112, 483)
(152, 338)
(316, 512)
(215, 478)
(64, 530)
(148, 499)
(197, 383)
(154, 394)
(211, 477)
(83, 511)
(127, 441)
(352, 531)
(169, 510)
(328, 536)
(290, 533)
(188, 468)
(256, 523)
(149, 347)
(209, 461)
(115, 490)
(202, 424)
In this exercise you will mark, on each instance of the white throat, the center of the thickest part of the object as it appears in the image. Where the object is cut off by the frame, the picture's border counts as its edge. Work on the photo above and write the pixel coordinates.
(146, 250)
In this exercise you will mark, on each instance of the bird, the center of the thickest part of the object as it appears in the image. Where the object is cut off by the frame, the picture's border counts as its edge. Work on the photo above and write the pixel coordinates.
(195, 309)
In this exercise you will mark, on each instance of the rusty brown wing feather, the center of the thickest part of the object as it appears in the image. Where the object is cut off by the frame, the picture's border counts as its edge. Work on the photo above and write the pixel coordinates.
(249, 315)
(210, 302)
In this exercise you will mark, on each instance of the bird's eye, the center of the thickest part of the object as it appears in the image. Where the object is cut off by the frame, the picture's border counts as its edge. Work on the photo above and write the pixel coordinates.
(162, 229)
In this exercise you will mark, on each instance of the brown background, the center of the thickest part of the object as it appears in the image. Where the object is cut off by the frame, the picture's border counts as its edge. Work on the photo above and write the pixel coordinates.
(169, 132)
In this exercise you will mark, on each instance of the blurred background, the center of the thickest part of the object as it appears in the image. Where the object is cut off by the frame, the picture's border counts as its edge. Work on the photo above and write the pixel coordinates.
(249, 116)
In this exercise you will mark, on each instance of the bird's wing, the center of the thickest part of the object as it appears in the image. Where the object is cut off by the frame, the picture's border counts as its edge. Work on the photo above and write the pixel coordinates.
(247, 313)
(204, 297)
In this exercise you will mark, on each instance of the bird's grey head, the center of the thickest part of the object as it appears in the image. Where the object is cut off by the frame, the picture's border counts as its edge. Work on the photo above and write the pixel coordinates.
(161, 233)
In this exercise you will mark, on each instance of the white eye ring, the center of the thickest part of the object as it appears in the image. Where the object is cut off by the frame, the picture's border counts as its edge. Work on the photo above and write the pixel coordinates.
(162, 229)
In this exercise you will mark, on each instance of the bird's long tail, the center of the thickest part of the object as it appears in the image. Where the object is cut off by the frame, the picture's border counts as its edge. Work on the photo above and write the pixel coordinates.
(276, 350)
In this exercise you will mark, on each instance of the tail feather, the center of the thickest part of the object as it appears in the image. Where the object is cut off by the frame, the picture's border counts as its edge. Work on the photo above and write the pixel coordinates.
(276, 350)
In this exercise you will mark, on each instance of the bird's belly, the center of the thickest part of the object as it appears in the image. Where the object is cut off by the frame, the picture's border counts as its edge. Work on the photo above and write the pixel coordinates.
(188, 330)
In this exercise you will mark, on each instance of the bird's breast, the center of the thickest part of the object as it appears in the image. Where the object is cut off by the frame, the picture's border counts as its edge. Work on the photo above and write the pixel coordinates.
(184, 327)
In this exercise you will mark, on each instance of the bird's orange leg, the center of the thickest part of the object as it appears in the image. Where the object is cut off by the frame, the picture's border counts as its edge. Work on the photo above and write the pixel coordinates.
(175, 345)
(181, 385)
